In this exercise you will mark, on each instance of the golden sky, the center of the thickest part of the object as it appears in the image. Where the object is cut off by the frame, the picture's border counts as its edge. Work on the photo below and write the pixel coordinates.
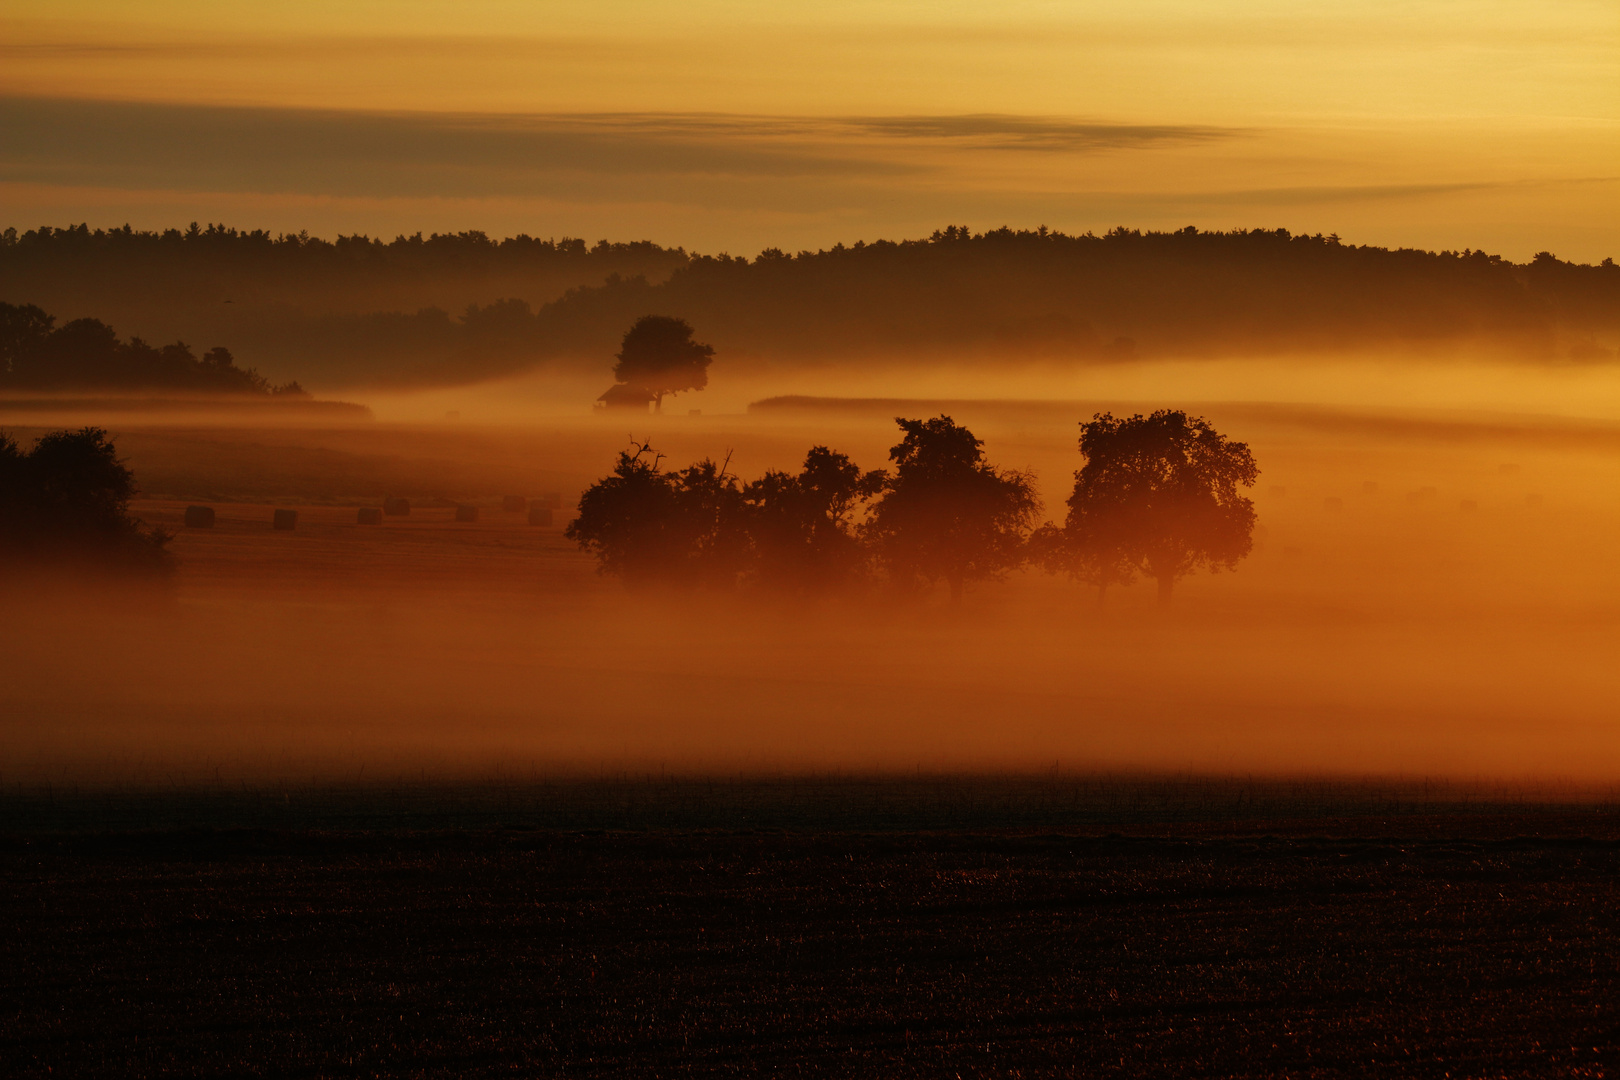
(734, 126)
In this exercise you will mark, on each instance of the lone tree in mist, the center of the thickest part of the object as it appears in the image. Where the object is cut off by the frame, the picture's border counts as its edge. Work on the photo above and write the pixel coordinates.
(1158, 495)
(659, 356)
(801, 526)
(67, 500)
(946, 513)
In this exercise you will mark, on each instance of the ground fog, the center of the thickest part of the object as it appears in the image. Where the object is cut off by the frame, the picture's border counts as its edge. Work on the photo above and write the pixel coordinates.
(1432, 593)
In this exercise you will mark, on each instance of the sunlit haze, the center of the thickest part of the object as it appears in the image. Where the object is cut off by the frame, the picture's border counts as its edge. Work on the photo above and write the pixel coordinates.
(732, 126)
(1007, 220)
(809, 538)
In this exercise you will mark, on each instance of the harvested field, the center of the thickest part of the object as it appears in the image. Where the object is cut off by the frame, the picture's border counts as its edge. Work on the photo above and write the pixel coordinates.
(1401, 940)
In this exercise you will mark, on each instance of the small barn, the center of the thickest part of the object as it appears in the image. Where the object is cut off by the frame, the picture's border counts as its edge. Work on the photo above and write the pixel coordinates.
(626, 396)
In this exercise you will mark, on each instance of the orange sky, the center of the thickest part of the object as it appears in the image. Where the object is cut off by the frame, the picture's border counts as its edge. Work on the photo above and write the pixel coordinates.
(733, 126)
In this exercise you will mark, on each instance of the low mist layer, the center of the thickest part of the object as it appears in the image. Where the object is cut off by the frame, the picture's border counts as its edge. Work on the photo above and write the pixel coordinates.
(1429, 595)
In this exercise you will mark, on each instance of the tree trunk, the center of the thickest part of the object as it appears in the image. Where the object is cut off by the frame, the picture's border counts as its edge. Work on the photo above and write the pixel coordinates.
(1166, 583)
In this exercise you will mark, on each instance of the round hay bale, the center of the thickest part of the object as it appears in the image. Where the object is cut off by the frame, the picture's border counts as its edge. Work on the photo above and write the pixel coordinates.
(514, 504)
(284, 519)
(466, 513)
(199, 517)
(539, 515)
(396, 507)
(370, 515)
(552, 500)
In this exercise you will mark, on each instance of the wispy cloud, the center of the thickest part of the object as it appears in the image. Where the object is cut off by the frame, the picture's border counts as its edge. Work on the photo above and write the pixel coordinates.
(191, 147)
(1034, 133)
(985, 131)
(355, 153)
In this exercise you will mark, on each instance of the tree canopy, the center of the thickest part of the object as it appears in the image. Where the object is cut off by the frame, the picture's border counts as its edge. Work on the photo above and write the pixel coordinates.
(1158, 495)
(946, 513)
(658, 355)
(87, 354)
(67, 499)
(701, 526)
(650, 526)
(802, 525)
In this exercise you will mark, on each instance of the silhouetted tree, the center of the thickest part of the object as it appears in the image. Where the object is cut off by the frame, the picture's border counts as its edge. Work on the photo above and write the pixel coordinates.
(659, 356)
(646, 525)
(1157, 495)
(946, 513)
(1083, 550)
(623, 518)
(86, 354)
(68, 499)
(801, 526)
(23, 328)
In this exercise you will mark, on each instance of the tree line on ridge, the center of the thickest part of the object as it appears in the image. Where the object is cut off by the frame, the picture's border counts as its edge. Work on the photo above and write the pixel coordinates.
(463, 307)
(87, 354)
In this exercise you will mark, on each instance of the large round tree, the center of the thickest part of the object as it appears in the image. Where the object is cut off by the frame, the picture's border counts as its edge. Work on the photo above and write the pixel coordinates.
(1158, 495)
(659, 356)
(947, 513)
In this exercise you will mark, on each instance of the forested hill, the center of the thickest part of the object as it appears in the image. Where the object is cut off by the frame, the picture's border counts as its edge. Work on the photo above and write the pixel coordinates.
(1003, 294)
(87, 354)
(1040, 293)
(296, 306)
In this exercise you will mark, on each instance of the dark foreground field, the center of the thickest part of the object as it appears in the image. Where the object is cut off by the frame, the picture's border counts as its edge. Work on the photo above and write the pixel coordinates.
(1043, 928)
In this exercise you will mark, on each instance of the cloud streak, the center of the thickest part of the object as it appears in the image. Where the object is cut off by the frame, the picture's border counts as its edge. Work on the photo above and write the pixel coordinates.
(349, 153)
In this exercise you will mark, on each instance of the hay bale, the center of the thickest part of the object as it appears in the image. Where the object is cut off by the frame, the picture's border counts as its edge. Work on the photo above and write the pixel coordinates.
(514, 504)
(552, 500)
(369, 515)
(539, 515)
(1333, 503)
(466, 513)
(199, 517)
(1468, 506)
(396, 507)
(1278, 491)
(1369, 487)
(284, 519)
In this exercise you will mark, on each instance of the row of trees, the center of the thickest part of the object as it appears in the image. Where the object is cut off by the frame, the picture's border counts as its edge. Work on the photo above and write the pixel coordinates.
(67, 499)
(431, 309)
(1158, 496)
(446, 307)
(87, 354)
